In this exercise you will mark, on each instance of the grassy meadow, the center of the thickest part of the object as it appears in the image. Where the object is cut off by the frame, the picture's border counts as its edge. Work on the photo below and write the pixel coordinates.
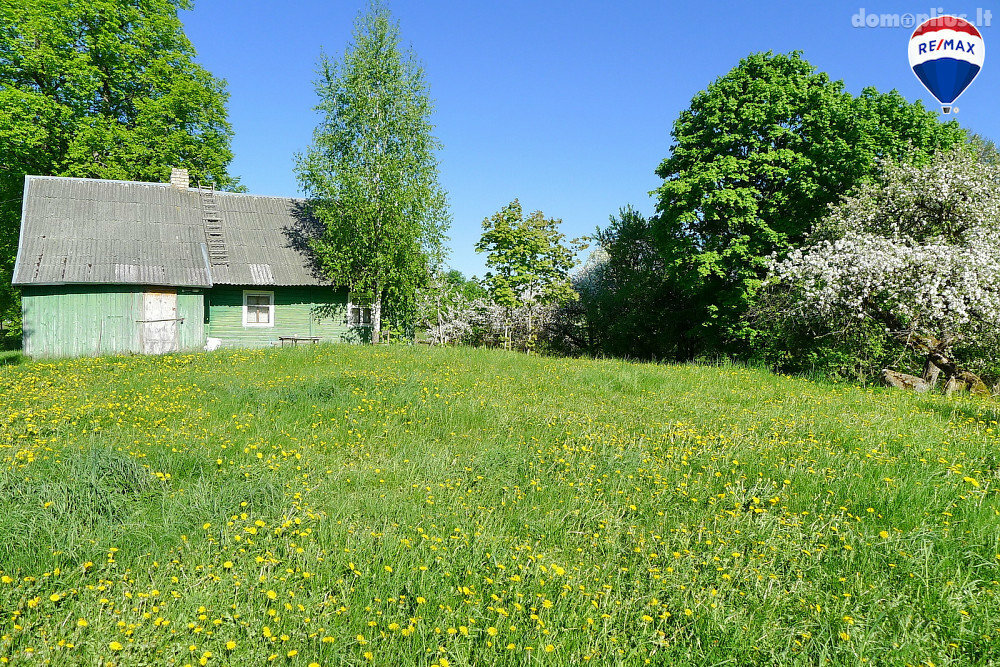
(398, 505)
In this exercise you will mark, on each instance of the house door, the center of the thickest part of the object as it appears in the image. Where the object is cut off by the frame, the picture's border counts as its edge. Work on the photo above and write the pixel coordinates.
(159, 322)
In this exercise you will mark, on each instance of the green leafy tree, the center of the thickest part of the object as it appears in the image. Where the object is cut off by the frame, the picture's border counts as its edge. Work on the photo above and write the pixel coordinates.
(470, 288)
(757, 159)
(371, 173)
(984, 148)
(101, 89)
(626, 284)
(529, 261)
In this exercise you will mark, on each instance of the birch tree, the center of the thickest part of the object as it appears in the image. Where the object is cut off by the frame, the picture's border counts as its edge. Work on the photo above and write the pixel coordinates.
(371, 173)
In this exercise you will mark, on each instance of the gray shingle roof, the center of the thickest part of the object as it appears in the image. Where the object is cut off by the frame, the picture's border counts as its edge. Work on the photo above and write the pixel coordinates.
(76, 230)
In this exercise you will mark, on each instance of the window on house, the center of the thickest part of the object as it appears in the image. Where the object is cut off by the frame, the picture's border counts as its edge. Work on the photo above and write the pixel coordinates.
(258, 309)
(359, 311)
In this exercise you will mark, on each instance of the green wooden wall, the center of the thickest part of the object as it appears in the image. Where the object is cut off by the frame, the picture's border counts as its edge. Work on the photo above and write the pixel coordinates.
(298, 311)
(82, 320)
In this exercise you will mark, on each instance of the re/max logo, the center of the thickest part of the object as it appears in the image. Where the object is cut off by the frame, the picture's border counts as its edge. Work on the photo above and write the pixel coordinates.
(947, 45)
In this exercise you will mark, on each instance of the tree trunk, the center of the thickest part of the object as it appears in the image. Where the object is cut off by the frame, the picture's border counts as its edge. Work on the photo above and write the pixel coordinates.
(437, 302)
(931, 373)
(935, 364)
(531, 330)
(377, 317)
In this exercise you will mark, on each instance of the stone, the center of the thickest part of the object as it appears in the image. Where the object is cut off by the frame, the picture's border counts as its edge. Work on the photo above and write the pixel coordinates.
(903, 381)
(973, 384)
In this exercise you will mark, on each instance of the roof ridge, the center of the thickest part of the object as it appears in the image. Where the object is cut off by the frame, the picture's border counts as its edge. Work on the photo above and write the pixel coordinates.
(34, 177)
(162, 185)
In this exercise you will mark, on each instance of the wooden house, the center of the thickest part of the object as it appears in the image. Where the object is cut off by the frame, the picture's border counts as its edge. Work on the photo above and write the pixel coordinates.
(118, 267)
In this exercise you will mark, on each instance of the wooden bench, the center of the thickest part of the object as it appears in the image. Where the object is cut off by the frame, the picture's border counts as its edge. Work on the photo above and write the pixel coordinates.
(295, 340)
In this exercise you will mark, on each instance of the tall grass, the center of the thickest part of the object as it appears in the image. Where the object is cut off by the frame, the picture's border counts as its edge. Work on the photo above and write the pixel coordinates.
(10, 358)
(396, 505)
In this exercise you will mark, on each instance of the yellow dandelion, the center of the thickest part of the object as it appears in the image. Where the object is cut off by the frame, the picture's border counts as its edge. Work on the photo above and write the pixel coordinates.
(115, 646)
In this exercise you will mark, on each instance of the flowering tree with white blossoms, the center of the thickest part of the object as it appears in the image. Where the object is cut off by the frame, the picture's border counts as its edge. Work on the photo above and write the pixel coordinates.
(917, 252)
(450, 309)
(519, 327)
(444, 309)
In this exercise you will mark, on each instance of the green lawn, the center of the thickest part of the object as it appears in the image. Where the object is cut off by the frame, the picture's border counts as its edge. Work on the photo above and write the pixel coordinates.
(346, 505)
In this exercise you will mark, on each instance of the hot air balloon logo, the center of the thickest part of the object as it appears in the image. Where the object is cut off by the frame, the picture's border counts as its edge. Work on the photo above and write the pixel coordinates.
(946, 54)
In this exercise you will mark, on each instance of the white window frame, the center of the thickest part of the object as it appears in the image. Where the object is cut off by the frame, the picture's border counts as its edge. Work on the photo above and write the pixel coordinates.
(366, 303)
(270, 315)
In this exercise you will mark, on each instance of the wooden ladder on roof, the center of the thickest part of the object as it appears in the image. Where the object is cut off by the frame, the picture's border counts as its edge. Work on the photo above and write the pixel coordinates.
(215, 239)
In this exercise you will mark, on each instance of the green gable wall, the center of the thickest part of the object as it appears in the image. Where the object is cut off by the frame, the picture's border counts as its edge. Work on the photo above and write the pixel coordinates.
(83, 320)
(298, 311)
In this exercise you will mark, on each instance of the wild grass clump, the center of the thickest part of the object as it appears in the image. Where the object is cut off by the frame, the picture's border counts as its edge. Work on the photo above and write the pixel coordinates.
(10, 358)
(348, 505)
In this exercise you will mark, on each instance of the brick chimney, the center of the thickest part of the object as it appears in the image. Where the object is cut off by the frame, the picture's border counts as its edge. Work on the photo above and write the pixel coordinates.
(179, 178)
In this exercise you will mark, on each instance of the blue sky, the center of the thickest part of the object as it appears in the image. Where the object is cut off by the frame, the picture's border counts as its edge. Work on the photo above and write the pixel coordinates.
(566, 105)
